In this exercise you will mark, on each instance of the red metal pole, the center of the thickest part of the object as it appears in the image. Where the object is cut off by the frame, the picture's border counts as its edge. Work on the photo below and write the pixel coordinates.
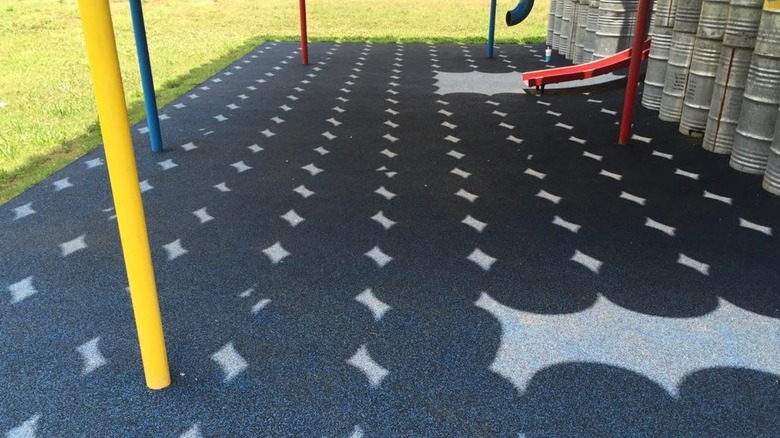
(304, 36)
(633, 72)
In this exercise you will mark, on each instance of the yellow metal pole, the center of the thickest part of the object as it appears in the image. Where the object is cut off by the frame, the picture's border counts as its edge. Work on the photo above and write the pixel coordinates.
(115, 128)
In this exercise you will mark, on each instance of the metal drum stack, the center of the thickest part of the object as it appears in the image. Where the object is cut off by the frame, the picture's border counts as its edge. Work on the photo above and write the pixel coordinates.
(582, 22)
(615, 28)
(704, 66)
(756, 126)
(726, 104)
(663, 22)
(590, 31)
(551, 23)
(568, 27)
(556, 45)
(686, 22)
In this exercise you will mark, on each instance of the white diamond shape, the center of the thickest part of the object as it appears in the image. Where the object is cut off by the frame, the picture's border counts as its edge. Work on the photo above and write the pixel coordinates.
(461, 173)
(267, 133)
(241, 166)
(480, 258)
(474, 223)
(321, 150)
(255, 148)
(203, 215)
(220, 118)
(382, 191)
(189, 146)
(260, 305)
(391, 124)
(378, 256)
(23, 211)
(452, 139)
(455, 154)
(91, 356)
(328, 135)
(22, 290)
(145, 186)
(549, 196)
(276, 253)
(222, 187)
(292, 218)
(74, 245)
(62, 184)
(372, 370)
(230, 361)
(684, 260)
(391, 138)
(174, 249)
(587, 261)
(744, 223)
(383, 220)
(466, 195)
(374, 304)
(312, 169)
(277, 120)
(333, 121)
(95, 162)
(303, 191)
(534, 173)
(167, 164)
(233, 106)
(29, 428)
(571, 226)
(514, 139)
(388, 153)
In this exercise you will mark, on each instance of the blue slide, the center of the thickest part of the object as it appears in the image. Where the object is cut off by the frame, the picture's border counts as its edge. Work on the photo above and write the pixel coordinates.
(519, 13)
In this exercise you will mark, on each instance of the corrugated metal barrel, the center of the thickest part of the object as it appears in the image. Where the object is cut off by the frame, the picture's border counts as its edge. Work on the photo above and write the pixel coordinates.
(590, 30)
(616, 26)
(704, 66)
(772, 175)
(756, 126)
(558, 22)
(551, 23)
(685, 23)
(742, 25)
(566, 26)
(663, 22)
(582, 22)
(574, 25)
(656, 67)
(726, 104)
(665, 13)
(676, 76)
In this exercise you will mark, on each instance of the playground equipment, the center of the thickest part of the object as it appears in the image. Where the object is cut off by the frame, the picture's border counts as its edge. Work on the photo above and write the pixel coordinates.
(618, 61)
(147, 83)
(519, 13)
(123, 175)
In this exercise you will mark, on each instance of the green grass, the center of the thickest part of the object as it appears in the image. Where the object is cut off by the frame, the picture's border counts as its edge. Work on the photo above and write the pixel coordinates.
(50, 117)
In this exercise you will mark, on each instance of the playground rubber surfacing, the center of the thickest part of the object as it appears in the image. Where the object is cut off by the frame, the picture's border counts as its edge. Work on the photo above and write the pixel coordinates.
(341, 251)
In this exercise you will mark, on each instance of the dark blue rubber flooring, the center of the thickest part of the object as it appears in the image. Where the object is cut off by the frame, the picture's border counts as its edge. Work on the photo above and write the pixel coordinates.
(342, 252)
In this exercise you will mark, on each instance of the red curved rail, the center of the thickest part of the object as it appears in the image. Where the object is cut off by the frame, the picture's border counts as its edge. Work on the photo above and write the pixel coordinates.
(620, 60)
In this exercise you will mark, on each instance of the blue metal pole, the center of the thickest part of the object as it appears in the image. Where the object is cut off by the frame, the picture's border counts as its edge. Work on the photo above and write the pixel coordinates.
(150, 100)
(492, 29)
